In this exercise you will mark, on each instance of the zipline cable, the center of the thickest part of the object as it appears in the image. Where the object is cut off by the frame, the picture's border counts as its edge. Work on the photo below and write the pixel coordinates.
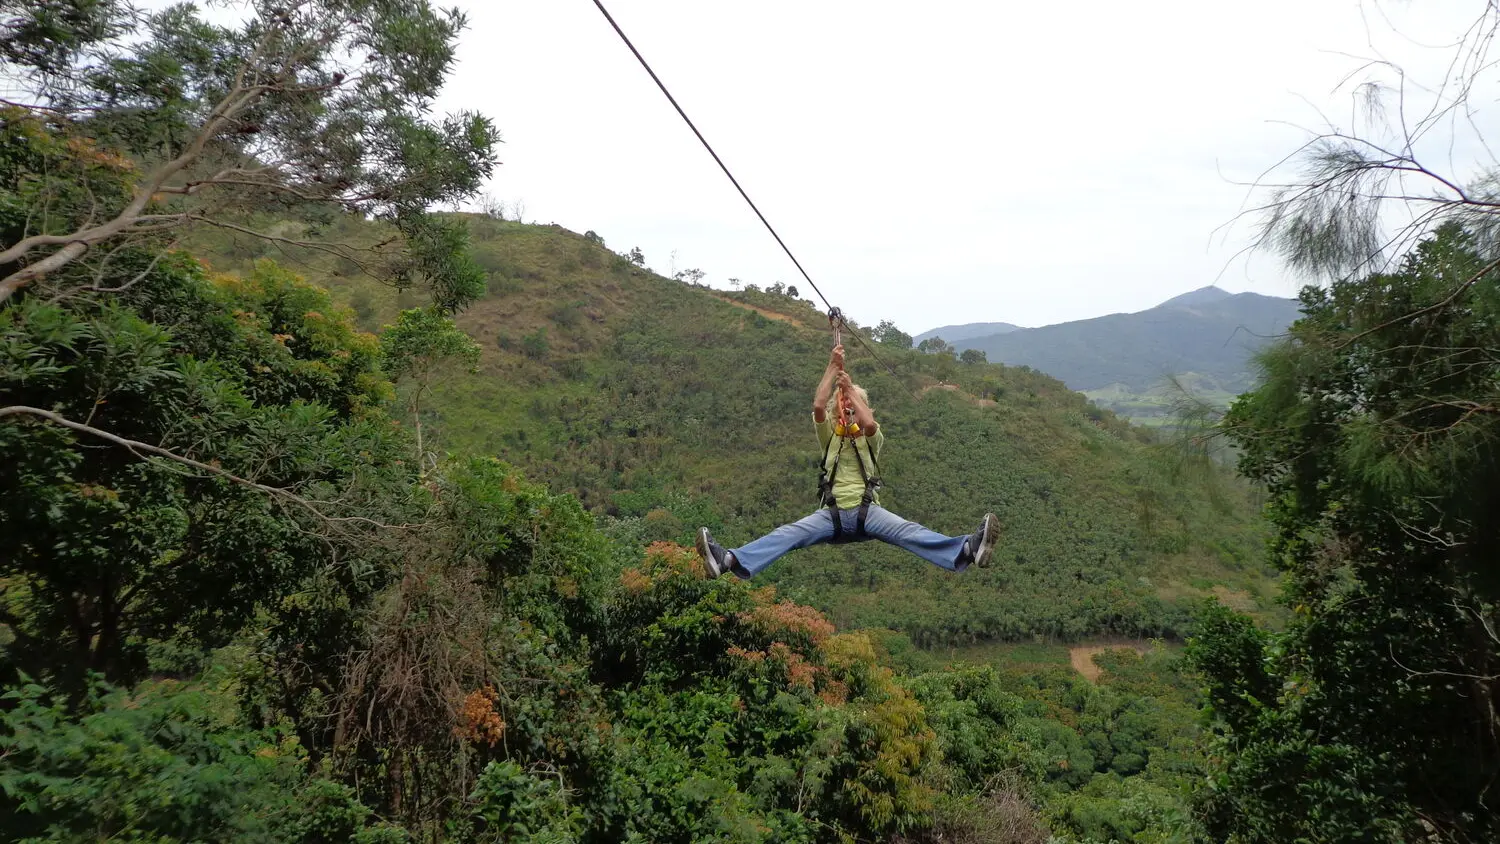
(736, 182)
(709, 147)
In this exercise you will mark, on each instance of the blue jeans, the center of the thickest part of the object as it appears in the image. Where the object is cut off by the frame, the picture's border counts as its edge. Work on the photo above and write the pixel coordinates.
(880, 523)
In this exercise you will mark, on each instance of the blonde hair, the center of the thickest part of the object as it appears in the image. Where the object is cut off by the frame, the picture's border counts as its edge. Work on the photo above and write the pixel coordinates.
(832, 408)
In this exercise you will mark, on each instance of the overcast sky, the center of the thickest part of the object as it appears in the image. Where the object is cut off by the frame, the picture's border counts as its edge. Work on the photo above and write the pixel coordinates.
(930, 163)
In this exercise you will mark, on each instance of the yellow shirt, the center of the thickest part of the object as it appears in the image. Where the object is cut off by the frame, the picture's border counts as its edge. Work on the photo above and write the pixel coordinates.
(848, 486)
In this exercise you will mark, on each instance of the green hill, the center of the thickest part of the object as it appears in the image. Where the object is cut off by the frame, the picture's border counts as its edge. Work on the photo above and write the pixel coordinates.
(1209, 331)
(665, 405)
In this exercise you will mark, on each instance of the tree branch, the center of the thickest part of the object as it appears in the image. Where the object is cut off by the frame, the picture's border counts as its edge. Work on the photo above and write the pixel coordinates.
(137, 447)
(1437, 306)
(79, 242)
(328, 248)
(1483, 678)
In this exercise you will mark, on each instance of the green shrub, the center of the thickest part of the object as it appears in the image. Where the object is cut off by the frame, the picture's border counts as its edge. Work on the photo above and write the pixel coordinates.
(164, 762)
(535, 345)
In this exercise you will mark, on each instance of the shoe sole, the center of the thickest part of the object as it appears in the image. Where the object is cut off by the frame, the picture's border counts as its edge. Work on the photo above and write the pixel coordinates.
(708, 560)
(991, 529)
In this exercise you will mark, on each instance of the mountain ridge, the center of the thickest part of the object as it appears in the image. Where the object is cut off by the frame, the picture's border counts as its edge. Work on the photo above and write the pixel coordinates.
(1194, 298)
(952, 333)
(1209, 331)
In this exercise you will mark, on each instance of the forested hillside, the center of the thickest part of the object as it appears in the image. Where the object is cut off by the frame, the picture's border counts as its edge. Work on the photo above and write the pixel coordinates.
(677, 405)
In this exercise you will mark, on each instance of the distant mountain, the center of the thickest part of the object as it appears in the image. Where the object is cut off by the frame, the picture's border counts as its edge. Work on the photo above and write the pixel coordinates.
(954, 333)
(1198, 298)
(1210, 332)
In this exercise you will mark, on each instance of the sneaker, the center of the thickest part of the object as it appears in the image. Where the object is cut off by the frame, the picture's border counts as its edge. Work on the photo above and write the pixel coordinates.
(982, 541)
(715, 558)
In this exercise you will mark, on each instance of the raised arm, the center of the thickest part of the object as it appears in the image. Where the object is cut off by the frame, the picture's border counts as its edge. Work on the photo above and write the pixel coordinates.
(863, 415)
(825, 386)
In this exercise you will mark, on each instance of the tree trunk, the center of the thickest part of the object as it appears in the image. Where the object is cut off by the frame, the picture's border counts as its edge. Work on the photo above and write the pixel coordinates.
(416, 415)
(20, 278)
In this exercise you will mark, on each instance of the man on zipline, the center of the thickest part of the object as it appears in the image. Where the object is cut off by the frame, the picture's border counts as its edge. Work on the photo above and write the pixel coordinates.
(851, 511)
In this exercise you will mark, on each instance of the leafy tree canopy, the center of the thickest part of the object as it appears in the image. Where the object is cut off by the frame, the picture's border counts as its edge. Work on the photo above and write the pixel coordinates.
(1375, 431)
(887, 334)
(260, 378)
(303, 108)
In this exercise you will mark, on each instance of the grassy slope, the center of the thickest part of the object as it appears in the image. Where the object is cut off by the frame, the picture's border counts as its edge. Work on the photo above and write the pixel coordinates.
(674, 405)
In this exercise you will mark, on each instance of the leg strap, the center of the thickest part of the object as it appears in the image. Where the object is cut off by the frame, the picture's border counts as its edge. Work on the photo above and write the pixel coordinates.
(864, 508)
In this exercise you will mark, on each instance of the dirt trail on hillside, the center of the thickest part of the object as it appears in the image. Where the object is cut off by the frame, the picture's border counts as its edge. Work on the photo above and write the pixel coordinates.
(1082, 657)
(763, 312)
(953, 388)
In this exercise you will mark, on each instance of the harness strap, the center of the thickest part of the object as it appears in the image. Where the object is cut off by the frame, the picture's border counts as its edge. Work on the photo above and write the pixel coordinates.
(825, 485)
(871, 484)
(827, 477)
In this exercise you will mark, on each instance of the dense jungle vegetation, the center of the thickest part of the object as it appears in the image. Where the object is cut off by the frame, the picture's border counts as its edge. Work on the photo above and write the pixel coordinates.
(326, 518)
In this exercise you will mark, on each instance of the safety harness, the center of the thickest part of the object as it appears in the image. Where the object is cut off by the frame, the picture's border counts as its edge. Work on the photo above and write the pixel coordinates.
(825, 485)
(846, 431)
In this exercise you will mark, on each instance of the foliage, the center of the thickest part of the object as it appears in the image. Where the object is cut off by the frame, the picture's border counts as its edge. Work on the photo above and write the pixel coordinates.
(511, 804)
(495, 667)
(164, 762)
(535, 344)
(1374, 431)
(422, 344)
(887, 334)
(302, 109)
(791, 732)
(261, 377)
(424, 341)
(936, 346)
(310, 637)
(468, 658)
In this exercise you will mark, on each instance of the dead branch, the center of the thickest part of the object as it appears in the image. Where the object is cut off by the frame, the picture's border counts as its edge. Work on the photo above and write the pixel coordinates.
(1411, 673)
